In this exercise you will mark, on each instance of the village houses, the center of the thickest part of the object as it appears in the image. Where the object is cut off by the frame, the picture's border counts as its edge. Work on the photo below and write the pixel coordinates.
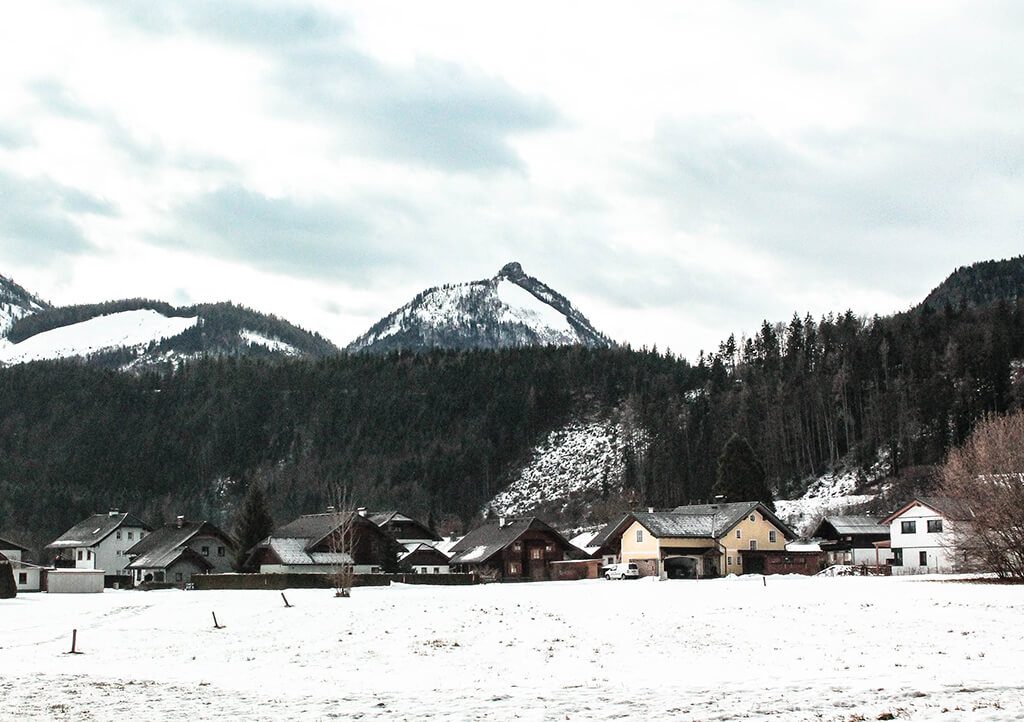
(926, 534)
(101, 542)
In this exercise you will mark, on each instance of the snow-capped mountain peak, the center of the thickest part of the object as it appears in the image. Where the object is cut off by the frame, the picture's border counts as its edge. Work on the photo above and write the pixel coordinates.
(510, 309)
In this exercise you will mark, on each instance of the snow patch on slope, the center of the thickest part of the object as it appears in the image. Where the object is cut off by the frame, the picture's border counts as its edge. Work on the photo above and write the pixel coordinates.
(274, 344)
(116, 330)
(525, 308)
(580, 457)
(830, 494)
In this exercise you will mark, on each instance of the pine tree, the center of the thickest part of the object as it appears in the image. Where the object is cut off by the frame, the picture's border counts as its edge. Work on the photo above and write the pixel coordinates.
(740, 475)
(253, 524)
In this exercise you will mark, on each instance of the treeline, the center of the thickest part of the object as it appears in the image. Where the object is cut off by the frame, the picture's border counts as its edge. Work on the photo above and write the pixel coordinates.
(438, 433)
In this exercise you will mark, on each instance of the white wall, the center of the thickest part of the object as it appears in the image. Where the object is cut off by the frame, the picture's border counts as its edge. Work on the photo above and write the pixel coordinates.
(938, 547)
(31, 575)
(218, 553)
(71, 581)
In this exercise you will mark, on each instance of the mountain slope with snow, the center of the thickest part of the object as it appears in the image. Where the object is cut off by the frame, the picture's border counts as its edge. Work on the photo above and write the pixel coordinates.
(511, 309)
(16, 303)
(140, 334)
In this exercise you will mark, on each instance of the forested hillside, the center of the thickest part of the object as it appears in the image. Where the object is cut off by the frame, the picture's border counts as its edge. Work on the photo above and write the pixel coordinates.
(439, 433)
(980, 284)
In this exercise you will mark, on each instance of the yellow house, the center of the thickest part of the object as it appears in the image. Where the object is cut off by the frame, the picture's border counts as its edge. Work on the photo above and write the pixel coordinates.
(703, 540)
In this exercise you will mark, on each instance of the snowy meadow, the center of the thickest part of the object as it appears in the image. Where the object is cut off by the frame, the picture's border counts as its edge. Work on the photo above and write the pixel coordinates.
(794, 648)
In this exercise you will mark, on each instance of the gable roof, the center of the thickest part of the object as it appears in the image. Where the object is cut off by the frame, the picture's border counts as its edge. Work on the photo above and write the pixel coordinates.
(315, 528)
(952, 509)
(291, 551)
(95, 529)
(9, 545)
(161, 548)
(853, 525)
(484, 542)
(414, 547)
(711, 521)
(382, 518)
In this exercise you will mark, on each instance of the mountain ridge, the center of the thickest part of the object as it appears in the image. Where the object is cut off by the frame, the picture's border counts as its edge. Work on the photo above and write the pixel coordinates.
(490, 313)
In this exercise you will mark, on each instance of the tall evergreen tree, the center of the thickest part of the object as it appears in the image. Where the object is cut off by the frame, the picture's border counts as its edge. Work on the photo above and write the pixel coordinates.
(253, 524)
(740, 475)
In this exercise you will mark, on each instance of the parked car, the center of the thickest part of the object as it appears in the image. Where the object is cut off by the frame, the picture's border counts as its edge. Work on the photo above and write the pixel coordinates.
(622, 571)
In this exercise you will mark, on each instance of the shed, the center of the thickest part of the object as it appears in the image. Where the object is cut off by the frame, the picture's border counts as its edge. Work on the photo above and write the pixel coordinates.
(73, 581)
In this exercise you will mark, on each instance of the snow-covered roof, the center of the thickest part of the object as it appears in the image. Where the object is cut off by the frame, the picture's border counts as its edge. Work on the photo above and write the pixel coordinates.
(854, 525)
(161, 548)
(95, 529)
(484, 542)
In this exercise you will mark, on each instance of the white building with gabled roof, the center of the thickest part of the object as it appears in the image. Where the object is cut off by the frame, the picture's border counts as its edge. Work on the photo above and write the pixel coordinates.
(101, 542)
(925, 535)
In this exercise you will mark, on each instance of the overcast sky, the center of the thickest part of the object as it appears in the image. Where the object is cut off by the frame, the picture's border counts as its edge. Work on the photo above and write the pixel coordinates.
(678, 170)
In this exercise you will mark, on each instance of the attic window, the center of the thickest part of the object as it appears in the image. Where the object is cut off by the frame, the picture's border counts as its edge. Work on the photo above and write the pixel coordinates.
(739, 534)
(131, 535)
(753, 517)
(772, 537)
(639, 536)
(118, 533)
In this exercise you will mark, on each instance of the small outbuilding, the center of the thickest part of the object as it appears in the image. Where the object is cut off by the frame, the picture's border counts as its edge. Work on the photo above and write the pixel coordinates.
(73, 581)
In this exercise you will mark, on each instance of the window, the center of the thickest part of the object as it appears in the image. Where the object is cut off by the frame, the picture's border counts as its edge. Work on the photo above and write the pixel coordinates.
(437, 570)
(131, 535)
(922, 559)
(517, 547)
(639, 536)
(206, 551)
(118, 533)
(549, 548)
(536, 553)
(374, 570)
(22, 578)
(753, 517)
(88, 554)
(739, 561)
(513, 568)
(79, 555)
(897, 557)
(220, 551)
(753, 545)
(935, 526)
(739, 534)
(729, 561)
(772, 536)
(177, 577)
(908, 527)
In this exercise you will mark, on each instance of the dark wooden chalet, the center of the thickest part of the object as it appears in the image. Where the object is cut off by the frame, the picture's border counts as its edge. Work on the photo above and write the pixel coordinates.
(308, 545)
(511, 550)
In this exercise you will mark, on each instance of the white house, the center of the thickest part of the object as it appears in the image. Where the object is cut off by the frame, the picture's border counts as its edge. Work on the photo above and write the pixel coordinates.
(101, 542)
(924, 536)
(26, 576)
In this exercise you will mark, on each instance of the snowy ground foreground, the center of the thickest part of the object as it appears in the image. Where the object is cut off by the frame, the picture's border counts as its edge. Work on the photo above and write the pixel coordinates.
(126, 328)
(731, 649)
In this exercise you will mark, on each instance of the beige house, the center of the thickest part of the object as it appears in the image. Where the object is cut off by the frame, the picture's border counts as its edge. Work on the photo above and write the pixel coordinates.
(705, 540)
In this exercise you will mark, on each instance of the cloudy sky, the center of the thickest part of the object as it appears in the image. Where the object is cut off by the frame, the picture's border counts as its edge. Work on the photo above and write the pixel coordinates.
(678, 170)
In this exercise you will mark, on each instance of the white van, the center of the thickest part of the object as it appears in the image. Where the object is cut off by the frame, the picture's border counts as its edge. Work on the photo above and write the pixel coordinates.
(622, 571)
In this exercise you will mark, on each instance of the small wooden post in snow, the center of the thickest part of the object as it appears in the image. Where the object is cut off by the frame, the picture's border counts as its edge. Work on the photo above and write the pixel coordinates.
(285, 600)
(215, 624)
(74, 642)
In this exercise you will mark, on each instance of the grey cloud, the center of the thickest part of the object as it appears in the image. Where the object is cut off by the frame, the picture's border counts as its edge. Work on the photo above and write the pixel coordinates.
(36, 219)
(435, 114)
(837, 203)
(279, 234)
(14, 137)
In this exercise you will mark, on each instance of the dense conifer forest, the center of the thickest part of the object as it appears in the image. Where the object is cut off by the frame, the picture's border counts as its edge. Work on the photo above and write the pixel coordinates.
(437, 433)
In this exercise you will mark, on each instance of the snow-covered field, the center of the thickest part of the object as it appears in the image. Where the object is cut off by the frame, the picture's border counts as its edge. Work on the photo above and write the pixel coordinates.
(797, 649)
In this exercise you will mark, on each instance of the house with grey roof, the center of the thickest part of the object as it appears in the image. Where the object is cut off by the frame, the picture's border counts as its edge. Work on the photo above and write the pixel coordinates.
(702, 540)
(101, 542)
(176, 552)
(307, 545)
(519, 549)
(927, 532)
(854, 540)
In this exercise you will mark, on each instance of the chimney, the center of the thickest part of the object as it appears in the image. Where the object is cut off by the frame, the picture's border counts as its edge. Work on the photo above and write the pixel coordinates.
(181, 521)
(113, 512)
(361, 511)
(650, 510)
(501, 521)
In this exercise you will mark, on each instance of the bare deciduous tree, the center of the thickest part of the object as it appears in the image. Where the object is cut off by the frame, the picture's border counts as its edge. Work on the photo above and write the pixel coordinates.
(341, 541)
(986, 475)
